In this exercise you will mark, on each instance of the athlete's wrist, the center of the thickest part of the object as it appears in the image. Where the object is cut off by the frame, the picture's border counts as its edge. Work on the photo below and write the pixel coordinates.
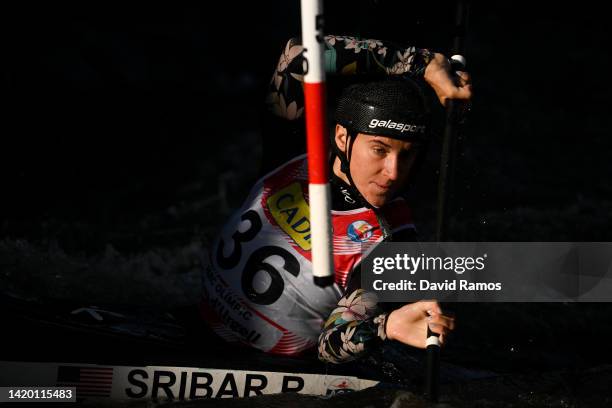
(381, 320)
(422, 58)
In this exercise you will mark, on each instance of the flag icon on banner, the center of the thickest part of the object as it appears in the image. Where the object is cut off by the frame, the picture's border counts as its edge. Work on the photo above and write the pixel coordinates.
(89, 381)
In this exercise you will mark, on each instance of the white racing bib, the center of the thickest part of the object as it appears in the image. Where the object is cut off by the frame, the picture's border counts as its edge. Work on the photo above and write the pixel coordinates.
(259, 289)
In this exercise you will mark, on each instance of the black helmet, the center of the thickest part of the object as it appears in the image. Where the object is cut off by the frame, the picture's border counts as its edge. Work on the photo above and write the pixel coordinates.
(393, 107)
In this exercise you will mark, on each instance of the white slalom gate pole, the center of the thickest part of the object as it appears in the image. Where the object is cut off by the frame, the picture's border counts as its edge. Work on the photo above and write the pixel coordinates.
(317, 142)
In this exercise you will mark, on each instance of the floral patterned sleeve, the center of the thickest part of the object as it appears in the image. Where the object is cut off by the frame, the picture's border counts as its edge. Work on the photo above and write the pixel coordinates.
(355, 327)
(345, 56)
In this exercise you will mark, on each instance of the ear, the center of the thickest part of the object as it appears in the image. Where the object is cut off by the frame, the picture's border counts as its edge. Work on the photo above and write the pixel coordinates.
(341, 137)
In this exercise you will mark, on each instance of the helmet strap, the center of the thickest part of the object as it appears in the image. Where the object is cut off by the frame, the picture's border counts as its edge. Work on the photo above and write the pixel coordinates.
(345, 167)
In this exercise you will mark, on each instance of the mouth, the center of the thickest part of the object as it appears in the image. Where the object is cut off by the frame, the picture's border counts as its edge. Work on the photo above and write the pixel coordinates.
(383, 188)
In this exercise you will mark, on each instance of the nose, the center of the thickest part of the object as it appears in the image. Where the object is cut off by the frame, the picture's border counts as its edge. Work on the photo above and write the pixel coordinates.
(391, 168)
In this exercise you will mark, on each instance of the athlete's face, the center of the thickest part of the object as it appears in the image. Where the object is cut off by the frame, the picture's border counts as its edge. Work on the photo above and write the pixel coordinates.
(379, 165)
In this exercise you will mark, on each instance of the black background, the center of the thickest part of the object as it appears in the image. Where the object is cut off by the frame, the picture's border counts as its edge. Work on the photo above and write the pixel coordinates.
(109, 110)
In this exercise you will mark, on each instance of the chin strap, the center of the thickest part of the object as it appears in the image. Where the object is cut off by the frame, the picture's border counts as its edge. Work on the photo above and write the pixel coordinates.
(345, 167)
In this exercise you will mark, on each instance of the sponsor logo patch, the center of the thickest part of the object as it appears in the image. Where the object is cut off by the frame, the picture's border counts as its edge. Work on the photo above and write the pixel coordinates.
(340, 386)
(291, 212)
(359, 231)
(402, 127)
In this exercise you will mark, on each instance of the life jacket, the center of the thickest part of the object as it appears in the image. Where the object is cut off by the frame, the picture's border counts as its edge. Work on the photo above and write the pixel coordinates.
(258, 288)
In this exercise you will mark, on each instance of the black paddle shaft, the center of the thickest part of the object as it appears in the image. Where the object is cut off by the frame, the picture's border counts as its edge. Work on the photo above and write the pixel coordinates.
(432, 371)
(450, 132)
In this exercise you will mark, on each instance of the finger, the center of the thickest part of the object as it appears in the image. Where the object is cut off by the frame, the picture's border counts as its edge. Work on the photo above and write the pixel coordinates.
(463, 92)
(464, 77)
(443, 320)
(456, 90)
(438, 329)
(450, 313)
(430, 307)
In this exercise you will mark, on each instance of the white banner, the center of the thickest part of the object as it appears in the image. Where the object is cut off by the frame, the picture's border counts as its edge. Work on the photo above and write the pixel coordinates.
(172, 383)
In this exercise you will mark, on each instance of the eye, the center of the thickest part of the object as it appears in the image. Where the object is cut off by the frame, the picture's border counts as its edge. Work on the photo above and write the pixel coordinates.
(379, 151)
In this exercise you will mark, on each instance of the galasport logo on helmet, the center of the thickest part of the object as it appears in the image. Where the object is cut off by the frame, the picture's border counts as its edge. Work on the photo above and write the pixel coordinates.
(402, 127)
